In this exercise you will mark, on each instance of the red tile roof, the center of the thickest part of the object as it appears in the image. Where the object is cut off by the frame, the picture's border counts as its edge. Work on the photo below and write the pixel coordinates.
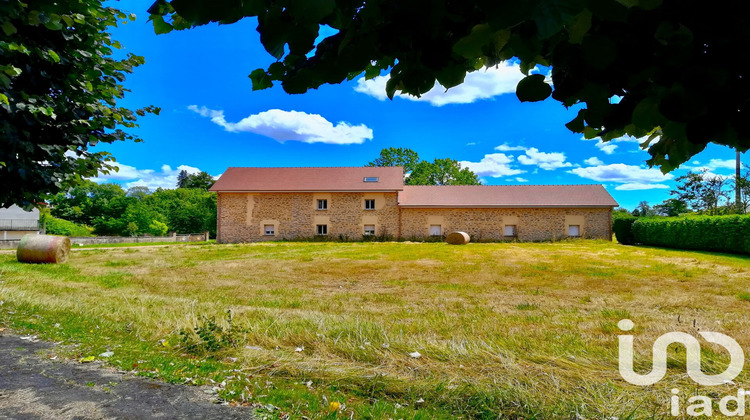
(310, 179)
(508, 196)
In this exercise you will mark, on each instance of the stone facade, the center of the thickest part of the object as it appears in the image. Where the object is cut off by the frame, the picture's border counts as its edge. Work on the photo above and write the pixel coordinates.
(533, 224)
(245, 217)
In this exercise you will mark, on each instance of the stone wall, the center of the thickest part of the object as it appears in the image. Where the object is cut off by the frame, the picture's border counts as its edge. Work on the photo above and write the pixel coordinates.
(489, 224)
(243, 217)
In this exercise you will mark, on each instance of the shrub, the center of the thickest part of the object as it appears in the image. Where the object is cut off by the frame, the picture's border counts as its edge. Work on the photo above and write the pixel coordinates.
(55, 226)
(208, 336)
(623, 227)
(709, 233)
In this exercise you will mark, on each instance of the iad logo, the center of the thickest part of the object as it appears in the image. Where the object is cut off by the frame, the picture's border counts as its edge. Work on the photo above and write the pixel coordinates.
(692, 355)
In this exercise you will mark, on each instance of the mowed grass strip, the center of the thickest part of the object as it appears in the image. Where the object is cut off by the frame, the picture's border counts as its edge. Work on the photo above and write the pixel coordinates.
(522, 330)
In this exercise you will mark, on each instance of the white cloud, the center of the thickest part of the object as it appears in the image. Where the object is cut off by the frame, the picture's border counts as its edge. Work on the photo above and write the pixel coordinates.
(495, 165)
(505, 147)
(546, 161)
(715, 164)
(291, 126)
(519, 179)
(637, 186)
(593, 161)
(610, 146)
(481, 84)
(471, 143)
(607, 148)
(130, 176)
(708, 173)
(622, 174)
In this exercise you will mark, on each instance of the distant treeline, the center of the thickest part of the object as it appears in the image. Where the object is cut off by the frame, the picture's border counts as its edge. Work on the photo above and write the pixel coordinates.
(108, 209)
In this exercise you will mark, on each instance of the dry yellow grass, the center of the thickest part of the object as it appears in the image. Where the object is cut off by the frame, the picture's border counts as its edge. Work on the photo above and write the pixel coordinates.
(523, 329)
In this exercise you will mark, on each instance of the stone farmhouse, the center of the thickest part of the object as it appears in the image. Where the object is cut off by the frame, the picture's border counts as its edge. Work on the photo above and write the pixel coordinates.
(258, 204)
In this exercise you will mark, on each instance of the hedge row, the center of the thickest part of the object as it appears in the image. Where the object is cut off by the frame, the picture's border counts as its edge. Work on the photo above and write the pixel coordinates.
(623, 228)
(708, 233)
(55, 226)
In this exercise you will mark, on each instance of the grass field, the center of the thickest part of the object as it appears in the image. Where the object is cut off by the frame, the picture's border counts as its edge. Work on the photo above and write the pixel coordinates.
(514, 330)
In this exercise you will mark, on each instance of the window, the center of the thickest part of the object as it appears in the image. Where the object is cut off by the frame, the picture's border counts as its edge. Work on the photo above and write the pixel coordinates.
(510, 230)
(269, 230)
(369, 230)
(322, 229)
(322, 204)
(370, 204)
(435, 230)
(371, 179)
(574, 230)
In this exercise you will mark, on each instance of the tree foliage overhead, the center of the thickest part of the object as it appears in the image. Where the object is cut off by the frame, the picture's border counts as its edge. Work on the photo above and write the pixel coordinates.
(675, 68)
(59, 87)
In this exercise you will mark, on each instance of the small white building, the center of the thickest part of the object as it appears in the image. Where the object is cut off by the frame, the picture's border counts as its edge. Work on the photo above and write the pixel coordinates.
(16, 222)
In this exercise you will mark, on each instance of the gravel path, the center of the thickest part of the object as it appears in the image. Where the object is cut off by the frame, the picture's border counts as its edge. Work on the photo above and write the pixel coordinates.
(34, 387)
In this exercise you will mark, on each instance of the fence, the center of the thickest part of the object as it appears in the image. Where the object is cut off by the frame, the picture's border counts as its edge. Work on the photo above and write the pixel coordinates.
(103, 240)
(19, 224)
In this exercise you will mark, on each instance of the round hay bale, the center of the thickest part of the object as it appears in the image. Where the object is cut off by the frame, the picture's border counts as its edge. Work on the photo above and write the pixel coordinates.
(43, 249)
(457, 238)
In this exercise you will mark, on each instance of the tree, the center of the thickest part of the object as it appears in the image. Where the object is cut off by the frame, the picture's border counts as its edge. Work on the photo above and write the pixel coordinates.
(201, 180)
(671, 207)
(644, 68)
(112, 211)
(138, 192)
(397, 156)
(644, 210)
(181, 177)
(702, 192)
(59, 89)
(738, 185)
(441, 172)
(743, 184)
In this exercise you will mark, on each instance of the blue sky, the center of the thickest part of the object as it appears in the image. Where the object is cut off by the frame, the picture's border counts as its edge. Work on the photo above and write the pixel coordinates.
(211, 119)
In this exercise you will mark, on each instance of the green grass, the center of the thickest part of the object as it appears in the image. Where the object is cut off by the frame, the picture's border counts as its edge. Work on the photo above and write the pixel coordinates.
(514, 330)
(140, 244)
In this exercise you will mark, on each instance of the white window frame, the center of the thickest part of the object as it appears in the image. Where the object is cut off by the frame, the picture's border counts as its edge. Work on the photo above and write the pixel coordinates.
(578, 230)
(439, 230)
(371, 231)
(322, 204)
(514, 230)
(370, 200)
(265, 230)
(324, 230)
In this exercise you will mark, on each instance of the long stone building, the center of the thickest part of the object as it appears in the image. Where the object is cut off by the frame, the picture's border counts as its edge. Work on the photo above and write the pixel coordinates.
(259, 204)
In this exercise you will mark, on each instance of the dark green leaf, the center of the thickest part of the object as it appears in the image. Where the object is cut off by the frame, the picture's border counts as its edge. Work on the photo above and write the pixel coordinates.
(8, 28)
(260, 79)
(533, 88)
(160, 26)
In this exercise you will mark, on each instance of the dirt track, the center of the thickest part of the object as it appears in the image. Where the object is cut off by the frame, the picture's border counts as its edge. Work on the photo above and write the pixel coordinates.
(34, 387)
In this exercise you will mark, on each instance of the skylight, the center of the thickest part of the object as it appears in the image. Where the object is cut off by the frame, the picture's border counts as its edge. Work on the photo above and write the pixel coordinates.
(371, 179)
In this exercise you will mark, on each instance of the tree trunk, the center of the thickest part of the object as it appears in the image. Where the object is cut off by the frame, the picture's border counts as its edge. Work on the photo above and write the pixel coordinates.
(737, 190)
